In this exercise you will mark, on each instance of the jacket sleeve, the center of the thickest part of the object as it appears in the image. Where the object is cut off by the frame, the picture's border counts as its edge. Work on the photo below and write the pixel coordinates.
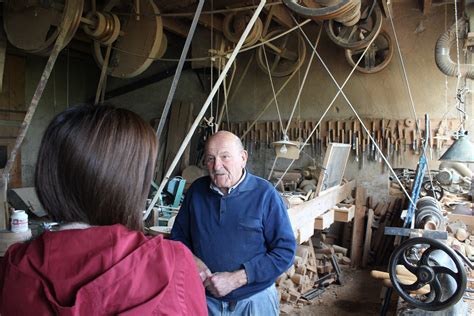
(181, 227)
(281, 244)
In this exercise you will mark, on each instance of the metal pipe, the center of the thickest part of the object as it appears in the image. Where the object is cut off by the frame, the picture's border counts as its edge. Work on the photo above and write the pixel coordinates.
(442, 50)
(205, 106)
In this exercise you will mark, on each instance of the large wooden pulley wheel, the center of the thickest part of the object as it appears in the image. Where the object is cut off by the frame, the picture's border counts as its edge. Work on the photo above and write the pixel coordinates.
(141, 40)
(377, 57)
(34, 26)
(358, 35)
(432, 265)
(320, 9)
(234, 25)
(285, 54)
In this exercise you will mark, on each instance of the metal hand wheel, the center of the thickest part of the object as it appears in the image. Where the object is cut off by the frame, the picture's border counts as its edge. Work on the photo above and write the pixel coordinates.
(421, 256)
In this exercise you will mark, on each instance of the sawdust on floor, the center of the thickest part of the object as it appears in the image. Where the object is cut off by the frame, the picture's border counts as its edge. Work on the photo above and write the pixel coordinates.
(359, 295)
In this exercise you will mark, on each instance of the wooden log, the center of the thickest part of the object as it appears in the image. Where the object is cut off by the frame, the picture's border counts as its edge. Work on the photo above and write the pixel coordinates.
(339, 249)
(368, 238)
(424, 290)
(358, 228)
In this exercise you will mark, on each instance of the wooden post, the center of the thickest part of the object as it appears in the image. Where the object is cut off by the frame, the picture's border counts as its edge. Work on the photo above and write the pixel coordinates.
(358, 228)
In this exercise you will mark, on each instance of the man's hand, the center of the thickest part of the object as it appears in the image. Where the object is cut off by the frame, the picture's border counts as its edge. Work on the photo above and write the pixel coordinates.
(222, 283)
(203, 270)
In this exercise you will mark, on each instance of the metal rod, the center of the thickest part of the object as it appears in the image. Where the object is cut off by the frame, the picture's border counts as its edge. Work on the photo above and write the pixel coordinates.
(205, 107)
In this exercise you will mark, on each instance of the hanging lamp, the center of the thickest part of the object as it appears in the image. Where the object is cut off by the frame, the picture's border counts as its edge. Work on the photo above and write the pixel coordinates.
(462, 150)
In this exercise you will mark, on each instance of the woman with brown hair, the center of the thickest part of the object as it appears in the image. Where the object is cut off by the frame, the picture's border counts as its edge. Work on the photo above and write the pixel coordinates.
(93, 175)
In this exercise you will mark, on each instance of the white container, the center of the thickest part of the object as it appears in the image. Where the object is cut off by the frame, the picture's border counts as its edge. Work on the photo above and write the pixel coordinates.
(19, 221)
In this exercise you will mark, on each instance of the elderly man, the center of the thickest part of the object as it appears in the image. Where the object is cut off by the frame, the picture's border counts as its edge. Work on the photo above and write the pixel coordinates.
(238, 228)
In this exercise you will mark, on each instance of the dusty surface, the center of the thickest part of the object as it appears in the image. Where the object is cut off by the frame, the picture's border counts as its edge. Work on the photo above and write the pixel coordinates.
(359, 295)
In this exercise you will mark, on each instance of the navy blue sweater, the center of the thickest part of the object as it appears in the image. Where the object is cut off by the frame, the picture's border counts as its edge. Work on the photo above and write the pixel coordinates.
(248, 228)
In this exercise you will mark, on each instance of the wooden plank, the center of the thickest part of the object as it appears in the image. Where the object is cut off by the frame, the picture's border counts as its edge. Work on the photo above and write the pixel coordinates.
(176, 26)
(344, 214)
(325, 220)
(368, 238)
(214, 22)
(305, 232)
(426, 6)
(3, 51)
(281, 15)
(358, 228)
(178, 123)
(306, 212)
(466, 219)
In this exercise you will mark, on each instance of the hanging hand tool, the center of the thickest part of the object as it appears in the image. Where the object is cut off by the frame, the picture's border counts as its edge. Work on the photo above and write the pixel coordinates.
(415, 143)
(356, 146)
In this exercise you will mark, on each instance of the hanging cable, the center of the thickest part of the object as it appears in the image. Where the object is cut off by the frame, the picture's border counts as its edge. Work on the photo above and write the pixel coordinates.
(412, 103)
(269, 103)
(340, 91)
(402, 63)
(273, 89)
(303, 83)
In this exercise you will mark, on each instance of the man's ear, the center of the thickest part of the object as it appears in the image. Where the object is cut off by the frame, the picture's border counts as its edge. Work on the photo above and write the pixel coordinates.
(244, 156)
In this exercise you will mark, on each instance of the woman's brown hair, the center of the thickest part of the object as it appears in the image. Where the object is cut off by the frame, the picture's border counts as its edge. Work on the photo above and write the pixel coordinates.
(95, 165)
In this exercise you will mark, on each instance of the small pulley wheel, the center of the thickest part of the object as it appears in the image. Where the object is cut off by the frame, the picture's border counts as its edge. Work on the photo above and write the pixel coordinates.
(234, 25)
(285, 54)
(432, 189)
(140, 43)
(358, 35)
(422, 257)
(377, 57)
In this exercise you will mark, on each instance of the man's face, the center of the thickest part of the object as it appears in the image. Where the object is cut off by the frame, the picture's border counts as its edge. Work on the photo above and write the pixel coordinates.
(225, 161)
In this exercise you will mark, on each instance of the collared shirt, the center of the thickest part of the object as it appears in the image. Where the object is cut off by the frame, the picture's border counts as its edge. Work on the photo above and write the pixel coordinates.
(215, 188)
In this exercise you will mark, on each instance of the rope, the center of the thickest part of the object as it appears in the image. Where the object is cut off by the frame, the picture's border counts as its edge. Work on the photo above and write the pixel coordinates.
(303, 83)
(407, 84)
(412, 103)
(268, 104)
(273, 168)
(457, 43)
(352, 108)
(273, 90)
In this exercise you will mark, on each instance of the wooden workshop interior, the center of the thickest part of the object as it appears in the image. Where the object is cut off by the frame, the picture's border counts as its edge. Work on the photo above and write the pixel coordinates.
(359, 112)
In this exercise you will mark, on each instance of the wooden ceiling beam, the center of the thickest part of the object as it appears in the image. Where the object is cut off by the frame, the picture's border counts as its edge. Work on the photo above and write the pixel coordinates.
(281, 15)
(176, 26)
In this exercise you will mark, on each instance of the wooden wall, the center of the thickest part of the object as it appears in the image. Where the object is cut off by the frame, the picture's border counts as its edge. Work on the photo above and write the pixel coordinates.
(12, 109)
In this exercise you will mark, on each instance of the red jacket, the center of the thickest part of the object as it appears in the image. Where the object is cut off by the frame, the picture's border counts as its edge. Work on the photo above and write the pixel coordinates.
(105, 270)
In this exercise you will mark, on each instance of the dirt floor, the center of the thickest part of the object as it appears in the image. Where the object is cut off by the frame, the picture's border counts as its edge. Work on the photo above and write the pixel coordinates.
(359, 295)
